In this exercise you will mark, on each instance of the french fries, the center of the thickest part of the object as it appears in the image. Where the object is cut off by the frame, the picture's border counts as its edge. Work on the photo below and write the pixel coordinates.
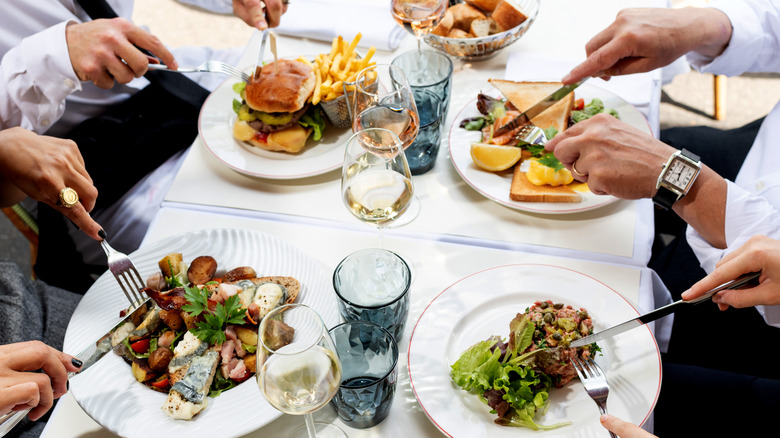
(333, 69)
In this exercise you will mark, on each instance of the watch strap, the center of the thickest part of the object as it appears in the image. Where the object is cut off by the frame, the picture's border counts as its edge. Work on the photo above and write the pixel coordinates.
(690, 155)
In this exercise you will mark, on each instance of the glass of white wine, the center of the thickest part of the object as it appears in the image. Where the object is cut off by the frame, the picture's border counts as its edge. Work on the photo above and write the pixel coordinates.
(376, 183)
(419, 17)
(298, 369)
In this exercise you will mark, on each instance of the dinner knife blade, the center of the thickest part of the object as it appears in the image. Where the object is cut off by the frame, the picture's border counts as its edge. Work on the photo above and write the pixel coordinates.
(746, 280)
(259, 63)
(538, 108)
(97, 349)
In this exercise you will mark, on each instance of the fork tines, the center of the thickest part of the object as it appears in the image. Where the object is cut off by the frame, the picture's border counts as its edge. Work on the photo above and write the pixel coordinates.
(131, 286)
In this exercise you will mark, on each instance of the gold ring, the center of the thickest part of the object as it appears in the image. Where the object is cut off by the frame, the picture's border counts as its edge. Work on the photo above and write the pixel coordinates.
(574, 169)
(68, 197)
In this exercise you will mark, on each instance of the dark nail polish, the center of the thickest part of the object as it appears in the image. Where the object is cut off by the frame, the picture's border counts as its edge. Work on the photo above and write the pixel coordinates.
(76, 363)
(102, 234)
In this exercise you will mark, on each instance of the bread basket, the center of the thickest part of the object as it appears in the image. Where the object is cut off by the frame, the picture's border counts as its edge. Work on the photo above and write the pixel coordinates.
(478, 49)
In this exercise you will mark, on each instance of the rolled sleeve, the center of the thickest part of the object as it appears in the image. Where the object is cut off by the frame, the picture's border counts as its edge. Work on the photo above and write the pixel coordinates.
(38, 78)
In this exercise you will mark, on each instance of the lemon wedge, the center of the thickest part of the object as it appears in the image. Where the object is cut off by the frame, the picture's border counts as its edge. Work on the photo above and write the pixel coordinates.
(494, 157)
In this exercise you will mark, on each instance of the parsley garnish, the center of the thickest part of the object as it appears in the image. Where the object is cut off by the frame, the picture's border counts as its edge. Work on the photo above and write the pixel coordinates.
(536, 150)
(549, 160)
(212, 328)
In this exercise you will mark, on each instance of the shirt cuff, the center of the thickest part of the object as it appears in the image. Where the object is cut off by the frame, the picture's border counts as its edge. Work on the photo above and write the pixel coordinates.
(743, 48)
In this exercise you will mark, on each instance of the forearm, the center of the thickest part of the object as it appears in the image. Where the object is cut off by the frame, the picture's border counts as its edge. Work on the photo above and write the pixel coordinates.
(704, 207)
(714, 31)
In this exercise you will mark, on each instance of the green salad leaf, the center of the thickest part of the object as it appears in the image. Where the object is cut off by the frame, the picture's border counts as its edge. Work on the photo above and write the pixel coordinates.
(596, 106)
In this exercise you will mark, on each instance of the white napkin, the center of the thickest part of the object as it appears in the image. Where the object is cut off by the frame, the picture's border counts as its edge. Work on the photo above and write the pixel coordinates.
(528, 67)
(327, 19)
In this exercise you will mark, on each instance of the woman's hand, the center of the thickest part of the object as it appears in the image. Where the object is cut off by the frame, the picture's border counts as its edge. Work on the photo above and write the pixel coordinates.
(623, 429)
(21, 387)
(39, 166)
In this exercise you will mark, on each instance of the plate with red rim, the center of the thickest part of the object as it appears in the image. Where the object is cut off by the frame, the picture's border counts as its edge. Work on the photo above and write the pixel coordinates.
(215, 127)
(495, 185)
(459, 317)
(109, 393)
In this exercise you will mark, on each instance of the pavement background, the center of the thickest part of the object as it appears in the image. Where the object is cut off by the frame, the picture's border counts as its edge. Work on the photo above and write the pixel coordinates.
(687, 100)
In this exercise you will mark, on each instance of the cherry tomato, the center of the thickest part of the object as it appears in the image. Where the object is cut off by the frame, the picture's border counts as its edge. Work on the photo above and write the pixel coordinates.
(162, 383)
(141, 346)
(579, 104)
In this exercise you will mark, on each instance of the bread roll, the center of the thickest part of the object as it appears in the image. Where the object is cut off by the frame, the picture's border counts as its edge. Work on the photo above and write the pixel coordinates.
(486, 6)
(507, 15)
(457, 33)
(484, 27)
(445, 25)
(463, 15)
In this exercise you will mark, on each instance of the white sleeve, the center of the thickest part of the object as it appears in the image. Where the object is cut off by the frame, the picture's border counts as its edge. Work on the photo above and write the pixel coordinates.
(754, 43)
(219, 6)
(746, 215)
(37, 77)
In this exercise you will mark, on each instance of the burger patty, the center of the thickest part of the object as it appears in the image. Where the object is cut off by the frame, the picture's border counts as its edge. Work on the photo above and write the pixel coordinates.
(260, 126)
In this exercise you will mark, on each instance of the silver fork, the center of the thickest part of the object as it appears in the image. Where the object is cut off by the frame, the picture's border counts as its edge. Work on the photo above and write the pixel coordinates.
(123, 269)
(595, 382)
(530, 134)
(125, 273)
(206, 67)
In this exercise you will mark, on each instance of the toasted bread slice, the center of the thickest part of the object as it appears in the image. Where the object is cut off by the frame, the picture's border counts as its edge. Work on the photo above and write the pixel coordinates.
(292, 285)
(524, 95)
(523, 190)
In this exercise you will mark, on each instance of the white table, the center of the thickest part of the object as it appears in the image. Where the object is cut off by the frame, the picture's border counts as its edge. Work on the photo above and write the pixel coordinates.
(457, 233)
(436, 265)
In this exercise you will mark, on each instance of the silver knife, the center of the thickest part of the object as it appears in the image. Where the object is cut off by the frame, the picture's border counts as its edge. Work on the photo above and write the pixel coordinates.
(259, 64)
(89, 356)
(530, 113)
(746, 280)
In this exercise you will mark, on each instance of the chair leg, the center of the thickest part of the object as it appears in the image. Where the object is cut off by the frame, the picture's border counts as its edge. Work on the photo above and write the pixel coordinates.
(720, 97)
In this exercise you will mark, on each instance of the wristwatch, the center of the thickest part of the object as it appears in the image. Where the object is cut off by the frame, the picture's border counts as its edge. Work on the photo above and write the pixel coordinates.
(676, 178)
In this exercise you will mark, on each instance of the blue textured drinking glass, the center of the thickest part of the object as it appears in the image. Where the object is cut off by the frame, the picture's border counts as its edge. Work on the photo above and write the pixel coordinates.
(421, 155)
(369, 358)
(372, 285)
(428, 70)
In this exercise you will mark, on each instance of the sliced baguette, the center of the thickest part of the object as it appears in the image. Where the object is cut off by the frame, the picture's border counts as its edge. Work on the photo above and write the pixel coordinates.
(484, 27)
(292, 285)
(486, 6)
(523, 190)
(507, 15)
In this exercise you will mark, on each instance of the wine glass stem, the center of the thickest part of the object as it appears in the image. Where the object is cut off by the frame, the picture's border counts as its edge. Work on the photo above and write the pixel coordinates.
(419, 46)
(310, 425)
(381, 237)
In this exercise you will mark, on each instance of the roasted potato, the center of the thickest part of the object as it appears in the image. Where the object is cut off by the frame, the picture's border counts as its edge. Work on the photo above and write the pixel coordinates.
(247, 335)
(159, 359)
(242, 273)
(141, 372)
(172, 318)
(170, 264)
(202, 270)
(250, 362)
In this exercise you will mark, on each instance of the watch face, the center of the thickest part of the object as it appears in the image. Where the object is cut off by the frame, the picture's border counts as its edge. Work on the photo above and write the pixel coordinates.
(679, 174)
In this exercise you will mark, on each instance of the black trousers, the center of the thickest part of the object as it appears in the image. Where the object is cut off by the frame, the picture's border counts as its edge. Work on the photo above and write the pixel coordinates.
(715, 359)
(119, 148)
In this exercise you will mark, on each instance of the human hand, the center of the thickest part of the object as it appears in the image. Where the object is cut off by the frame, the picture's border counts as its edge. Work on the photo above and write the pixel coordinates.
(622, 428)
(611, 156)
(644, 39)
(760, 253)
(105, 50)
(260, 14)
(21, 389)
(40, 166)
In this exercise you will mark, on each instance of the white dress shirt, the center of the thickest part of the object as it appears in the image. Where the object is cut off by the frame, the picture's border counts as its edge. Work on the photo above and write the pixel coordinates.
(40, 91)
(753, 199)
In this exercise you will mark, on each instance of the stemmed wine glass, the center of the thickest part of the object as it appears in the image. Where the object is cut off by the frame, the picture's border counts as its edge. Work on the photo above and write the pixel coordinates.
(419, 17)
(298, 369)
(376, 184)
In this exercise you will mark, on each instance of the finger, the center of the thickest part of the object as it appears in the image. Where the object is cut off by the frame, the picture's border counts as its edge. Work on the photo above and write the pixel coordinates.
(46, 394)
(135, 60)
(724, 272)
(81, 218)
(252, 12)
(35, 355)
(742, 298)
(597, 62)
(620, 427)
(151, 43)
(20, 396)
(273, 12)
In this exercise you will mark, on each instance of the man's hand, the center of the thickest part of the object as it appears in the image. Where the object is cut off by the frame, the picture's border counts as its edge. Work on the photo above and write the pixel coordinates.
(641, 40)
(624, 429)
(614, 157)
(40, 166)
(21, 389)
(760, 253)
(260, 14)
(105, 50)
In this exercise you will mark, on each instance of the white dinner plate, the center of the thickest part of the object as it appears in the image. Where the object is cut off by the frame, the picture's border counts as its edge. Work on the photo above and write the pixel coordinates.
(108, 392)
(215, 126)
(482, 305)
(495, 185)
